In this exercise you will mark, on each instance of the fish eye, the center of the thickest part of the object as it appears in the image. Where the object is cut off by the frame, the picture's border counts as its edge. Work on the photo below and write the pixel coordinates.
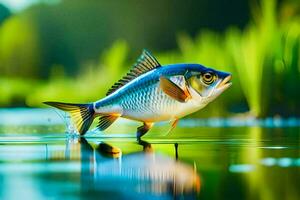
(208, 78)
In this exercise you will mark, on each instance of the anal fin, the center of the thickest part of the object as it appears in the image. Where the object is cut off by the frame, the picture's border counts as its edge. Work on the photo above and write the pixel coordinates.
(106, 121)
(173, 90)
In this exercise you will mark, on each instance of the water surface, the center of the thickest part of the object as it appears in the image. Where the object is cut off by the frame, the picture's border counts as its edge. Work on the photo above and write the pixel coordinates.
(38, 160)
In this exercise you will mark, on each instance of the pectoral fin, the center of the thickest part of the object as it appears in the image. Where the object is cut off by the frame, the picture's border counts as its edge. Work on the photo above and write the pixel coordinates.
(173, 90)
(173, 125)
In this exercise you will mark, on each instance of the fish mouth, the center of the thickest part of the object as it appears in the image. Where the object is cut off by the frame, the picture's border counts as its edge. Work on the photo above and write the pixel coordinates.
(225, 83)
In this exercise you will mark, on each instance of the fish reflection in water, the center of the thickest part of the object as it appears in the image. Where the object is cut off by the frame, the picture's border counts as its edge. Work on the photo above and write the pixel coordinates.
(139, 174)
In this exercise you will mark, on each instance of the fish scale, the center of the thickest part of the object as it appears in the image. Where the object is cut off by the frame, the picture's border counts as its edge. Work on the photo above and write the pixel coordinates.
(145, 99)
(142, 99)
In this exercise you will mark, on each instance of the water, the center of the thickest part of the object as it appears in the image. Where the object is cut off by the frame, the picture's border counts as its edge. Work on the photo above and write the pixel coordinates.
(39, 161)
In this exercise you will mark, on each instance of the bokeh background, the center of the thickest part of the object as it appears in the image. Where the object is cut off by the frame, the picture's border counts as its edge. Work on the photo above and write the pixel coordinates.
(74, 50)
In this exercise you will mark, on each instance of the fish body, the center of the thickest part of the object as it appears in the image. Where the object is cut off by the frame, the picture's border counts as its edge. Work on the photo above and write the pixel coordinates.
(151, 93)
(144, 100)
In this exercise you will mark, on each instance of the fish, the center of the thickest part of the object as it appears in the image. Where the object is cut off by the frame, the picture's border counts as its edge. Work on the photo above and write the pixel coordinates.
(150, 93)
(145, 173)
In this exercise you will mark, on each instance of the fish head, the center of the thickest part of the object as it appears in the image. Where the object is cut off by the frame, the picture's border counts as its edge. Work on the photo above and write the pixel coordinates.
(208, 83)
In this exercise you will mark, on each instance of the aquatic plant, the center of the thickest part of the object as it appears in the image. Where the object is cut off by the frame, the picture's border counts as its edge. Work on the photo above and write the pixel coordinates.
(89, 85)
(264, 59)
(266, 56)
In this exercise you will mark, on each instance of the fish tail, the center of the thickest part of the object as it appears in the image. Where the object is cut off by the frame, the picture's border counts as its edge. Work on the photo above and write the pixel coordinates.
(82, 115)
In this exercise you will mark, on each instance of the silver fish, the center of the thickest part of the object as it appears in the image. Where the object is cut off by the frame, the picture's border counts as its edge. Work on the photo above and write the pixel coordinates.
(151, 93)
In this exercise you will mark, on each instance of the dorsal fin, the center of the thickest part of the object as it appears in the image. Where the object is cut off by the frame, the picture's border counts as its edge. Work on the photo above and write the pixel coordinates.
(145, 63)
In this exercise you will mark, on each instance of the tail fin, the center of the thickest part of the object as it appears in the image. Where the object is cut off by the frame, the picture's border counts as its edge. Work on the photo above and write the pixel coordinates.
(82, 115)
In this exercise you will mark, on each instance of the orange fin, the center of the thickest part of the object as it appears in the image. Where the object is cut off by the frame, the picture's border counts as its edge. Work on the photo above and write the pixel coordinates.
(142, 130)
(173, 125)
(106, 121)
(173, 90)
(109, 150)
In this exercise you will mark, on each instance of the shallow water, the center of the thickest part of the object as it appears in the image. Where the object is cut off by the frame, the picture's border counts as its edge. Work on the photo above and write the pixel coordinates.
(39, 161)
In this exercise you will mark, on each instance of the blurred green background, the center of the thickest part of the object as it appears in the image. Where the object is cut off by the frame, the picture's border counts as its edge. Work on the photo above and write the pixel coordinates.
(74, 50)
